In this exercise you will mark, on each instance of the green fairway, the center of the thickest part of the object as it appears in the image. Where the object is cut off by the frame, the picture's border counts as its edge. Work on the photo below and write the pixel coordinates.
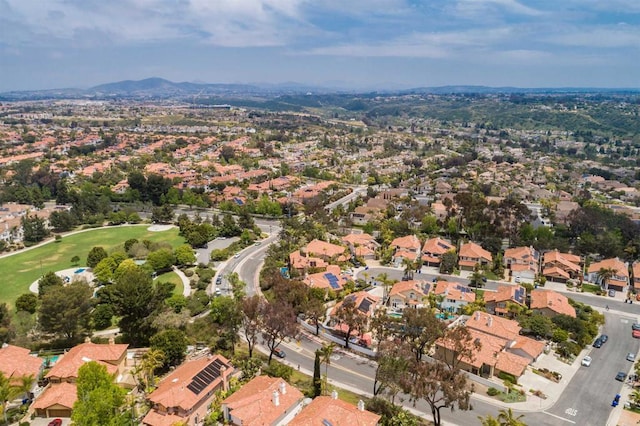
(20, 270)
(172, 277)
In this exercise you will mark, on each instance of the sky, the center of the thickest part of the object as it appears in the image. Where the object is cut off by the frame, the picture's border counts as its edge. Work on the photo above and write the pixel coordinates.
(350, 44)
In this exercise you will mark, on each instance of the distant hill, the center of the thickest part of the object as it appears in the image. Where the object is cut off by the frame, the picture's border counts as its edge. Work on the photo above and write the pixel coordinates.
(159, 88)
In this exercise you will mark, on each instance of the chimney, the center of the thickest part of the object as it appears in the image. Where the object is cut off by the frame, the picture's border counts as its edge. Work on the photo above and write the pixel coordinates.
(489, 321)
(283, 388)
(276, 398)
(87, 339)
(334, 394)
(361, 405)
(112, 341)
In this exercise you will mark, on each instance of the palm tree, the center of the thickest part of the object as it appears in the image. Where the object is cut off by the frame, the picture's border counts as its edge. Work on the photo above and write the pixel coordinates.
(386, 282)
(605, 274)
(325, 356)
(26, 384)
(635, 397)
(489, 420)
(507, 418)
(7, 393)
(151, 361)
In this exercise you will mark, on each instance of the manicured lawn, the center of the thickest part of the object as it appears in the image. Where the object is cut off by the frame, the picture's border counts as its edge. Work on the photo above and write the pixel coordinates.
(20, 270)
(172, 277)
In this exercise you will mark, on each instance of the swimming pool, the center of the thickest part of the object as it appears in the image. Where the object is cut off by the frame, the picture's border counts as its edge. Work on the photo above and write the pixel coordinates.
(443, 316)
(394, 315)
(79, 271)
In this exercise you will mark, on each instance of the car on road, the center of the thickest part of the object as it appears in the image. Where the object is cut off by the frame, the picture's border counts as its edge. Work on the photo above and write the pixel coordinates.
(604, 338)
(219, 280)
(597, 343)
(621, 376)
(635, 326)
(636, 334)
(612, 293)
(55, 422)
(237, 255)
(586, 361)
(631, 357)
(218, 292)
(279, 353)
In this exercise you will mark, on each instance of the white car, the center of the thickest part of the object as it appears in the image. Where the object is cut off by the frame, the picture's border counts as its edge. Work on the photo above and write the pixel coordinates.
(586, 361)
(631, 357)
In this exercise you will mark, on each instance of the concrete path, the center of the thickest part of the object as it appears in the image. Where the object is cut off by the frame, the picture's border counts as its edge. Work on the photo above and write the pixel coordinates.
(186, 284)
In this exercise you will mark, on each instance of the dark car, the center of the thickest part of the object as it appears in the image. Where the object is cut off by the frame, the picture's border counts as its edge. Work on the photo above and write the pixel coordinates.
(635, 326)
(621, 376)
(604, 338)
(279, 353)
(55, 422)
(597, 343)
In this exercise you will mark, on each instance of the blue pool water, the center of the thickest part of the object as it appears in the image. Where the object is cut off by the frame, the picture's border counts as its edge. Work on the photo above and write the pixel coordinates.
(79, 271)
(443, 316)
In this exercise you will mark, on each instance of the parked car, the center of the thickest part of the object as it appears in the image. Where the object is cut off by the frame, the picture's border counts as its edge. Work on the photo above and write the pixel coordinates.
(55, 422)
(635, 326)
(621, 376)
(636, 334)
(616, 400)
(612, 293)
(631, 357)
(604, 338)
(279, 353)
(586, 361)
(597, 343)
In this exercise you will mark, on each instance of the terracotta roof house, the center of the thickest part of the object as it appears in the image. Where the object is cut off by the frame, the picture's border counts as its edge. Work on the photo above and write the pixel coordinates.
(471, 254)
(454, 295)
(493, 325)
(16, 362)
(331, 279)
(522, 263)
(324, 250)
(550, 303)
(366, 303)
(620, 279)
(489, 356)
(497, 302)
(409, 243)
(186, 394)
(302, 263)
(409, 294)
(56, 401)
(635, 269)
(111, 355)
(433, 249)
(561, 267)
(325, 410)
(361, 245)
(263, 401)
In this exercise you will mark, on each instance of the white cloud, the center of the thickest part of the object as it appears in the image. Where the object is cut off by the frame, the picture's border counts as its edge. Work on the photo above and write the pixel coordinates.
(476, 7)
(620, 36)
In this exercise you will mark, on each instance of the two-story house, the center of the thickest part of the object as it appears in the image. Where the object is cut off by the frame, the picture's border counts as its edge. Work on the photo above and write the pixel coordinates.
(561, 267)
(471, 254)
(433, 250)
(409, 294)
(361, 245)
(453, 295)
(184, 396)
(618, 274)
(522, 263)
(550, 303)
(329, 410)
(407, 247)
(507, 300)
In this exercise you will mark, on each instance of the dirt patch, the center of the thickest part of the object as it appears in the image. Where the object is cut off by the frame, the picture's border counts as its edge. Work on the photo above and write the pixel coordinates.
(628, 418)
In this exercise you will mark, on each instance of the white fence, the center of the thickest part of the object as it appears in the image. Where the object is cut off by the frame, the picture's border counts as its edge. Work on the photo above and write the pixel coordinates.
(326, 334)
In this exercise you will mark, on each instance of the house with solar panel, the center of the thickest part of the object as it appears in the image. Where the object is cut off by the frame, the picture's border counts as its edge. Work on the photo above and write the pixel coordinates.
(409, 294)
(454, 295)
(433, 249)
(186, 394)
(522, 263)
(407, 247)
(331, 279)
(366, 304)
(505, 299)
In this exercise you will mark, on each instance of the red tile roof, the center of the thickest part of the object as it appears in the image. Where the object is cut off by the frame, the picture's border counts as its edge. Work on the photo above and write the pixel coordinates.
(324, 409)
(541, 299)
(69, 364)
(474, 251)
(16, 362)
(253, 403)
(64, 394)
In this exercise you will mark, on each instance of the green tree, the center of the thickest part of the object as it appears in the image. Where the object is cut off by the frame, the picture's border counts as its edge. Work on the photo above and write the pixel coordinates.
(420, 329)
(102, 316)
(349, 315)
(75, 260)
(96, 254)
(66, 311)
(326, 351)
(6, 331)
(100, 400)
(184, 255)
(27, 302)
(48, 281)
(161, 260)
(104, 270)
(7, 393)
(317, 378)
(225, 313)
(34, 229)
(278, 323)
(604, 275)
(506, 417)
(448, 262)
(173, 343)
(488, 420)
(251, 308)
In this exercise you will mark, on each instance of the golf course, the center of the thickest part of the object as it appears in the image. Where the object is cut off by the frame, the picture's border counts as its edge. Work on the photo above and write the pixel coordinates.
(19, 270)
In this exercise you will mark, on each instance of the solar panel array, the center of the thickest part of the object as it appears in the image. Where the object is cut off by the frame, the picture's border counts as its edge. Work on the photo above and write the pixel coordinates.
(365, 305)
(333, 280)
(443, 245)
(463, 289)
(519, 295)
(205, 377)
